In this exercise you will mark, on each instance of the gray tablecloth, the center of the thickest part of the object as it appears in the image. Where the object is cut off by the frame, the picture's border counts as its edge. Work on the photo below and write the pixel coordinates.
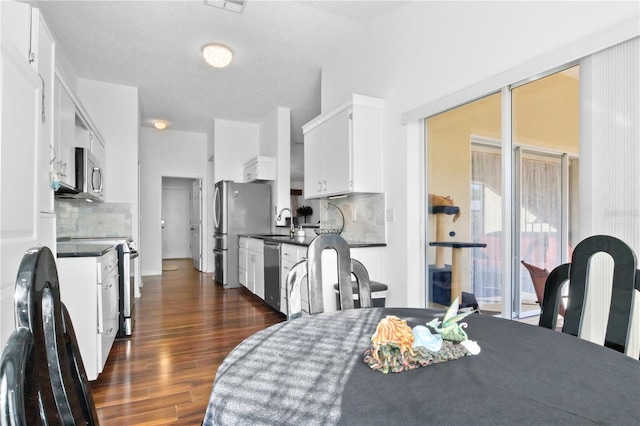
(311, 371)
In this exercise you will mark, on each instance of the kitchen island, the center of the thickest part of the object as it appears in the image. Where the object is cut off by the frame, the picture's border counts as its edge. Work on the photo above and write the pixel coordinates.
(263, 270)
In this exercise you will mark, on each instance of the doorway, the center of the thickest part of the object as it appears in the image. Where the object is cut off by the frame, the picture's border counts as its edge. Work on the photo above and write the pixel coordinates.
(181, 219)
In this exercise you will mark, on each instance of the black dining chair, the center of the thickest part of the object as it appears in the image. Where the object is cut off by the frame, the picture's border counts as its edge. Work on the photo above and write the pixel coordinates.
(311, 268)
(625, 282)
(42, 377)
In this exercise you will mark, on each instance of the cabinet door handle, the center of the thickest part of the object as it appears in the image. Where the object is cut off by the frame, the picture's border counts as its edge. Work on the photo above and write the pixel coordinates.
(100, 319)
(324, 185)
(44, 115)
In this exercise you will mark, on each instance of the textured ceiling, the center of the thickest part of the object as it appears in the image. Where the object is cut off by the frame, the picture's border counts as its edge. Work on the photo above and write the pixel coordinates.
(278, 47)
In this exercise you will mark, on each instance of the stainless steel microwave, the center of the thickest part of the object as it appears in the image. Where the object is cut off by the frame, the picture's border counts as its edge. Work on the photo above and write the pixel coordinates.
(89, 177)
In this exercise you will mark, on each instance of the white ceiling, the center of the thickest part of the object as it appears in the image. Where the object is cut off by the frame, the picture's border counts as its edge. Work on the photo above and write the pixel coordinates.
(278, 49)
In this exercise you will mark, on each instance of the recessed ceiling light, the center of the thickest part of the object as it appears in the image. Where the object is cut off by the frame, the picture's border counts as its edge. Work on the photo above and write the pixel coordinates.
(217, 55)
(160, 125)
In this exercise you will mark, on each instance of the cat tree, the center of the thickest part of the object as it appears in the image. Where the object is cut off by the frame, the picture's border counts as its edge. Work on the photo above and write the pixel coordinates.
(448, 278)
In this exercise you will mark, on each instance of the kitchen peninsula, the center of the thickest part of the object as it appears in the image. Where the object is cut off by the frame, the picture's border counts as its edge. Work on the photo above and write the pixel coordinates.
(265, 261)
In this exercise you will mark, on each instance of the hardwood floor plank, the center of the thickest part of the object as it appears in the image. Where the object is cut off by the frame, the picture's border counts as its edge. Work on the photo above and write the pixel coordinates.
(185, 325)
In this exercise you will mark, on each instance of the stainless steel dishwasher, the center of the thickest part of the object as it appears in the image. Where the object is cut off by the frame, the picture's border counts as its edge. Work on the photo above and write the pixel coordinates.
(272, 274)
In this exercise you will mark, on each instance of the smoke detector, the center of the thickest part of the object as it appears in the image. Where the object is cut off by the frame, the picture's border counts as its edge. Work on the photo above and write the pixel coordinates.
(232, 5)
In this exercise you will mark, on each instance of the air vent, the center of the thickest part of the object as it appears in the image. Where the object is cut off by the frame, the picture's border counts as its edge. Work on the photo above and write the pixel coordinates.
(232, 5)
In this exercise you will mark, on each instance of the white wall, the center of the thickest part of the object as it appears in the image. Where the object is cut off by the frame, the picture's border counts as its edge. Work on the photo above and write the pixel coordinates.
(115, 110)
(275, 141)
(431, 50)
(173, 154)
(235, 143)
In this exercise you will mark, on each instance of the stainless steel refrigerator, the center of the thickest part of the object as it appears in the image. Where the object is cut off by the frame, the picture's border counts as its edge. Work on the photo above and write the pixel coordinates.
(238, 208)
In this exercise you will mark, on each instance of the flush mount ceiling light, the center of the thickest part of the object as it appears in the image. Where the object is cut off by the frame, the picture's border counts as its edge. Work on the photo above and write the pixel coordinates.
(160, 125)
(231, 5)
(217, 55)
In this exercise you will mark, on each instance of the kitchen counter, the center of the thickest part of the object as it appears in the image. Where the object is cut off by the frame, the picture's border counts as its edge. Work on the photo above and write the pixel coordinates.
(74, 249)
(285, 239)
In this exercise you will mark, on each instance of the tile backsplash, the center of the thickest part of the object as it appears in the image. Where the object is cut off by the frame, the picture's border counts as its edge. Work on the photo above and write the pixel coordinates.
(368, 210)
(80, 219)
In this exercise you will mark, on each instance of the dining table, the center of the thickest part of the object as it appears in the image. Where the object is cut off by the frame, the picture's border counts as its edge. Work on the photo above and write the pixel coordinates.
(311, 371)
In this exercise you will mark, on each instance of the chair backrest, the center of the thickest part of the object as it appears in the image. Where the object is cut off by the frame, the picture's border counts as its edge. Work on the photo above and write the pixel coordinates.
(43, 379)
(312, 269)
(625, 282)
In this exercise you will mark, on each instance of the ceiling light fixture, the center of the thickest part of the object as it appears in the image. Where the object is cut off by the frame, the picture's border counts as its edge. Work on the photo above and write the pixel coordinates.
(217, 55)
(160, 125)
(232, 5)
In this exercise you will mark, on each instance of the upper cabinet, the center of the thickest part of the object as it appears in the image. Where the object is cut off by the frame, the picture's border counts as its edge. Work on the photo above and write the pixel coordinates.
(343, 149)
(73, 128)
(43, 58)
(64, 135)
(260, 168)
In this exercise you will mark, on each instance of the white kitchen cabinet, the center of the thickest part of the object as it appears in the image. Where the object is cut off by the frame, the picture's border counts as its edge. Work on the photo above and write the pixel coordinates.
(16, 27)
(243, 260)
(82, 134)
(370, 257)
(85, 137)
(64, 135)
(260, 168)
(290, 255)
(343, 149)
(43, 47)
(20, 113)
(97, 148)
(73, 128)
(43, 50)
(255, 266)
(89, 290)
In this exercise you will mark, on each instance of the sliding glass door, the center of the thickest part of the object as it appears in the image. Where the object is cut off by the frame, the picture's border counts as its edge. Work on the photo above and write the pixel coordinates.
(465, 151)
(545, 123)
(464, 208)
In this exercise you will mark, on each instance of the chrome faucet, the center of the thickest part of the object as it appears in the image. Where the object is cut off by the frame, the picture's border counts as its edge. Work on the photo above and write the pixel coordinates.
(292, 230)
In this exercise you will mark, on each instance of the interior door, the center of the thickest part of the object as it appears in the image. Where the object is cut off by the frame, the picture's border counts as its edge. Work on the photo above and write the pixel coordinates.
(176, 213)
(196, 223)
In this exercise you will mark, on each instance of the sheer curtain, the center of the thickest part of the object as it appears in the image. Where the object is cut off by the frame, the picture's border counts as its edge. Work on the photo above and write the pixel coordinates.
(486, 226)
(541, 214)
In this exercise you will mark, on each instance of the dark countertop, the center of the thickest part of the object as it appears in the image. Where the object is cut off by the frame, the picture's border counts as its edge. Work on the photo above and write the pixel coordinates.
(284, 239)
(73, 249)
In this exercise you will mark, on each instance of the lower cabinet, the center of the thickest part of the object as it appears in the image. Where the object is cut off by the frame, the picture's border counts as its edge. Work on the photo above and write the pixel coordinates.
(255, 266)
(371, 258)
(89, 290)
(251, 270)
(290, 255)
(243, 257)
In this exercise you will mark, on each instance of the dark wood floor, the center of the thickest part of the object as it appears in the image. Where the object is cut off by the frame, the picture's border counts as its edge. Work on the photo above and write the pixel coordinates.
(185, 325)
